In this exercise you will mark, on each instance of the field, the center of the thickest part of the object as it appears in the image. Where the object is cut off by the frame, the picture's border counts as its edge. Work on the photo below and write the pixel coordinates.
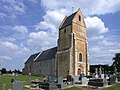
(7, 79)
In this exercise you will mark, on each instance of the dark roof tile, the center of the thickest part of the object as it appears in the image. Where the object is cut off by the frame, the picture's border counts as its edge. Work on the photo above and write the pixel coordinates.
(68, 20)
(31, 58)
(47, 54)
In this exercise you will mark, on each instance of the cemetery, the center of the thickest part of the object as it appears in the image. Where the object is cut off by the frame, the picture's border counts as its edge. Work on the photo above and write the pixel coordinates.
(97, 81)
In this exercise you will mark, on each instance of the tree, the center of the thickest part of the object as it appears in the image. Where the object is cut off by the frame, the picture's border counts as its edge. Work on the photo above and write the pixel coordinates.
(3, 71)
(116, 62)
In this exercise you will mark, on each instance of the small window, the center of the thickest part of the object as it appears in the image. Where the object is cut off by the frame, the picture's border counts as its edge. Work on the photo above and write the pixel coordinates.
(79, 18)
(65, 30)
(80, 57)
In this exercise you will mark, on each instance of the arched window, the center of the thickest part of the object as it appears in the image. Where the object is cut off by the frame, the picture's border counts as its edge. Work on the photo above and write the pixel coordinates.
(80, 57)
(79, 18)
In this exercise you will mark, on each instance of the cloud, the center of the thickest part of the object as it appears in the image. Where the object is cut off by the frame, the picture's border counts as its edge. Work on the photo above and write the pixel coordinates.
(91, 7)
(103, 51)
(95, 27)
(12, 49)
(51, 21)
(4, 58)
(21, 29)
(41, 39)
(10, 8)
(9, 45)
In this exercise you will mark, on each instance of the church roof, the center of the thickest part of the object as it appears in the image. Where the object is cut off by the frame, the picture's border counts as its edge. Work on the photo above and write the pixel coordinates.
(32, 57)
(68, 20)
(47, 54)
(44, 55)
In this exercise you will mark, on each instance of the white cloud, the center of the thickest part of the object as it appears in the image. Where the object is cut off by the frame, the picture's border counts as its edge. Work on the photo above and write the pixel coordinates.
(90, 7)
(103, 51)
(4, 58)
(95, 27)
(11, 49)
(51, 21)
(10, 8)
(42, 40)
(9, 45)
(21, 29)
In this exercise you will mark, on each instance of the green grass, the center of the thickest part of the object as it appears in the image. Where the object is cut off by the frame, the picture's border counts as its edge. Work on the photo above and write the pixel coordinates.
(74, 88)
(113, 87)
(7, 79)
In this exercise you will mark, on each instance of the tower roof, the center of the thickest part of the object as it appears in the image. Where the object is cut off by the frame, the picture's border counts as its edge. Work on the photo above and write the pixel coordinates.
(69, 19)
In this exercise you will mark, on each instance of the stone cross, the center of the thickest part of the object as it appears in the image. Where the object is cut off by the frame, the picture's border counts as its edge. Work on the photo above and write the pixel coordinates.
(96, 73)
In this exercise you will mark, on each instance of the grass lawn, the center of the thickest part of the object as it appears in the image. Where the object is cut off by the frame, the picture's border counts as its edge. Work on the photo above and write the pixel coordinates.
(74, 88)
(7, 79)
(113, 87)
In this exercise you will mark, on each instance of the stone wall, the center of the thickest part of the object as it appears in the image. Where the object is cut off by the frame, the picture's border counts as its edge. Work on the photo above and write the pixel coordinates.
(41, 68)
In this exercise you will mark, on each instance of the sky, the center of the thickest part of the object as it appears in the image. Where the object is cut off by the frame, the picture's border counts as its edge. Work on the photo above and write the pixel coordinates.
(30, 26)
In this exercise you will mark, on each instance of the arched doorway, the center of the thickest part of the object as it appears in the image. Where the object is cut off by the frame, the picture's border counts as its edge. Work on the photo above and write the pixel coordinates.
(79, 71)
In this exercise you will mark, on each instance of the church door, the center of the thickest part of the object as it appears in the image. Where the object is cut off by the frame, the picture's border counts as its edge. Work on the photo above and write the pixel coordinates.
(79, 71)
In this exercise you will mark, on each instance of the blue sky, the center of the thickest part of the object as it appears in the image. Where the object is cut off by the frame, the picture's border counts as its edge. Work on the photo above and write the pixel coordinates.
(30, 26)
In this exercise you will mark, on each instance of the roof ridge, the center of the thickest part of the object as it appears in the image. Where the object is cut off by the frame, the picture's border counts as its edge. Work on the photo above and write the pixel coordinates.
(37, 56)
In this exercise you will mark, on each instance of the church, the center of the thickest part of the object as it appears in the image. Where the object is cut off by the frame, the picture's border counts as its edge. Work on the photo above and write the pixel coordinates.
(70, 57)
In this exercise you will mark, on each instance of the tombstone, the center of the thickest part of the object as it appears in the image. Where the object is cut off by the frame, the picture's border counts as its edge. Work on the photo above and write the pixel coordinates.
(112, 79)
(96, 76)
(96, 73)
(84, 81)
(51, 79)
(102, 76)
(75, 78)
(18, 85)
(60, 80)
(13, 74)
(52, 85)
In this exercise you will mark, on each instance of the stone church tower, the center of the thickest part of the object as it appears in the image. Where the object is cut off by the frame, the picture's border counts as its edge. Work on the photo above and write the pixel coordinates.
(72, 54)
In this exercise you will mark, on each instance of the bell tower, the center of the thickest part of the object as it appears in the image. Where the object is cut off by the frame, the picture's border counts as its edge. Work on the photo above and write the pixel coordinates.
(72, 54)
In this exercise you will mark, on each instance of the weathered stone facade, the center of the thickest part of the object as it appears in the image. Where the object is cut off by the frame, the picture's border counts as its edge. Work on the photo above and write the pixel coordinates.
(72, 45)
(71, 56)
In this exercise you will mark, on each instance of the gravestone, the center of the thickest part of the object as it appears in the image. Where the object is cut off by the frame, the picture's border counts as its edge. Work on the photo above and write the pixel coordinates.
(60, 80)
(112, 79)
(52, 85)
(96, 73)
(60, 83)
(96, 76)
(18, 85)
(75, 78)
(102, 76)
(51, 79)
(13, 74)
(84, 81)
